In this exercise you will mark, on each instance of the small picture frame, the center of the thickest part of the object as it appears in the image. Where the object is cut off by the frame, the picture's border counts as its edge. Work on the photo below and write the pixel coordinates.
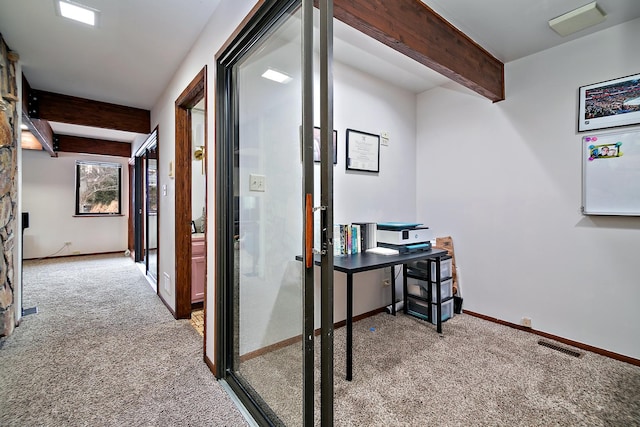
(363, 151)
(316, 145)
(193, 227)
(608, 104)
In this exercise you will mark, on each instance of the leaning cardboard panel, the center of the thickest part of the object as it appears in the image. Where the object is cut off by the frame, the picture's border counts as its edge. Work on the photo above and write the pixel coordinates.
(446, 243)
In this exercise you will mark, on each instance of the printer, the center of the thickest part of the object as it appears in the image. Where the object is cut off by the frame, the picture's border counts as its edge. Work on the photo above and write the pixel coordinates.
(404, 237)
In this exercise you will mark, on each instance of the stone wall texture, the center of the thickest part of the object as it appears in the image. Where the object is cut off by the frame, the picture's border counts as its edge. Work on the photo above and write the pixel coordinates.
(8, 187)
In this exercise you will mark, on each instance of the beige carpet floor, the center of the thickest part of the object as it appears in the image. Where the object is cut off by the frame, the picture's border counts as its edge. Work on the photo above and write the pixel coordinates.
(476, 374)
(104, 351)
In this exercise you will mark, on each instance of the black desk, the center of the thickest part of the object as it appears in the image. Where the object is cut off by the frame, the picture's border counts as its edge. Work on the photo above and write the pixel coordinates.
(351, 264)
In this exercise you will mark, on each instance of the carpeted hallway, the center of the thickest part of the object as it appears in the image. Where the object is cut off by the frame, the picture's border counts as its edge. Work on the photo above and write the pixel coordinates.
(104, 351)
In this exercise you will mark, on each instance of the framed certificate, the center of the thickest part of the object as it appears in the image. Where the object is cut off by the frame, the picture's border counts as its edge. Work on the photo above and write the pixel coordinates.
(363, 151)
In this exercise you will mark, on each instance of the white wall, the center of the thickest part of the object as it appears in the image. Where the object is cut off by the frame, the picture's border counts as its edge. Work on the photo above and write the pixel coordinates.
(17, 249)
(367, 104)
(48, 194)
(223, 22)
(504, 180)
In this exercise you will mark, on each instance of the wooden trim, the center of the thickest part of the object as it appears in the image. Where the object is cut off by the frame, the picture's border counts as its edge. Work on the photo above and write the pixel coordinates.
(77, 144)
(359, 317)
(239, 28)
(414, 29)
(26, 88)
(273, 347)
(192, 94)
(75, 255)
(173, 313)
(586, 347)
(42, 131)
(211, 365)
(289, 341)
(56, 107)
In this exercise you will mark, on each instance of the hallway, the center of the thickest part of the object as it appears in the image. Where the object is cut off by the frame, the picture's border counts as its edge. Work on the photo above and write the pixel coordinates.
(103, 351)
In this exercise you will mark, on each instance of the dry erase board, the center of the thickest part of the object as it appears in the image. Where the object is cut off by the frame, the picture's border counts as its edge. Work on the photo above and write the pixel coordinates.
(611, 174)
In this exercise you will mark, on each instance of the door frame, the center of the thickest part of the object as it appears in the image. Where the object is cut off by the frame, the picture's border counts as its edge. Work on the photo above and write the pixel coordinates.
(190, 96)
(138, 206)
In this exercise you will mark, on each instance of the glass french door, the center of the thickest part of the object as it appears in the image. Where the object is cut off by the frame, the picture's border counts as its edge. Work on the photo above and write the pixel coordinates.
(265, 204)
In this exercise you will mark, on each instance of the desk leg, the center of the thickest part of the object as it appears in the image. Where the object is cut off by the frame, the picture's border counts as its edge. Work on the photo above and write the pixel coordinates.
(393, 290)
(349, 326)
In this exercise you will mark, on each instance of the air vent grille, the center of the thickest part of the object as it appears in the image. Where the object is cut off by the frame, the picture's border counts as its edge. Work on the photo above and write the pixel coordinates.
(560, 349)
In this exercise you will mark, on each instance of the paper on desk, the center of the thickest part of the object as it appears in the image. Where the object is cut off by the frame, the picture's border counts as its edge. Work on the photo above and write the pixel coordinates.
(383, 251)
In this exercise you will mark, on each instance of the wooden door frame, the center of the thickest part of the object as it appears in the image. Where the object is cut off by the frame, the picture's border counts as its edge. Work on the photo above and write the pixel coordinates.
(190, 96)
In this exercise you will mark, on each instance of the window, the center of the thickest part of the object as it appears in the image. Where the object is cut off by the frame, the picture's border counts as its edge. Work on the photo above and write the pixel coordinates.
(98, 187)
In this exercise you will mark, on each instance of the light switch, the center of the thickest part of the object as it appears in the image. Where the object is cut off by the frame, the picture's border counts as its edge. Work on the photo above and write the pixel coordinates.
(256, 182)
(384, 138)
(164, 189)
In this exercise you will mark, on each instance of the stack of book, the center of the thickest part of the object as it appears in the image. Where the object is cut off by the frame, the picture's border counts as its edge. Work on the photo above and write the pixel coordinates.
(353, 238)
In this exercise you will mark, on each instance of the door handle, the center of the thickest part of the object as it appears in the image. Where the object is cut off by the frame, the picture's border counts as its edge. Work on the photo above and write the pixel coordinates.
(308, 227)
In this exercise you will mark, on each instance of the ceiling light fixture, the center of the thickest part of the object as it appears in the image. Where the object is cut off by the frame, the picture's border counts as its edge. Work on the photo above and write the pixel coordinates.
(578, 19)
(77, 12)
(276, 76)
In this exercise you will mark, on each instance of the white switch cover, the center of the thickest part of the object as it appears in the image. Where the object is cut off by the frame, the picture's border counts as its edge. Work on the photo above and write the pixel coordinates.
(256, 182)
(164, 189)
(384, 137)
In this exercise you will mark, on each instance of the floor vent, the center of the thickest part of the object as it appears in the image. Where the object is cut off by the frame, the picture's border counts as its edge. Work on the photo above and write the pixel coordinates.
(560, 349)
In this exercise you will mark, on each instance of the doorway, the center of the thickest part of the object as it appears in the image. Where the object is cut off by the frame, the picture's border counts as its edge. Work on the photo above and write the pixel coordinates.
(193, 95)
(145, 199)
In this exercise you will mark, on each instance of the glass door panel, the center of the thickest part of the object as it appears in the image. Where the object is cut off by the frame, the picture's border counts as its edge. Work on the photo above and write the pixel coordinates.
(151, 192)
(268, 199)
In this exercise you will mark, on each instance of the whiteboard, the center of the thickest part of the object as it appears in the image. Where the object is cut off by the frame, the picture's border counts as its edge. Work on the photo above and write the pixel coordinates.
(611, 174)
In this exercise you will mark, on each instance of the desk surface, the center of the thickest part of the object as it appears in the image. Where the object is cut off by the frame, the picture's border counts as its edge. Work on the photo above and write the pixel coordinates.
(365, 261)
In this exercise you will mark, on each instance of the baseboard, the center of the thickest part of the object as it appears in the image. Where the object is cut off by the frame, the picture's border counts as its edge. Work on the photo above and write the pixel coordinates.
(173, 313)
(586, 347)
(211, 365)
(298, 338)
(75, 255)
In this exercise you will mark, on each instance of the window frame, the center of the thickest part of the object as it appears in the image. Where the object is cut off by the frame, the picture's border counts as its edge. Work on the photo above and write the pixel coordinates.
(79, 165)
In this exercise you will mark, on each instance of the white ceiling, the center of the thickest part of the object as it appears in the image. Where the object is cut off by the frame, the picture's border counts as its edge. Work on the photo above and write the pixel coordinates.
(132, 55)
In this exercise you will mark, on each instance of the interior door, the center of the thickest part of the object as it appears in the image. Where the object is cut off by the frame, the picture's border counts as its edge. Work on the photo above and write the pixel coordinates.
(265, 192)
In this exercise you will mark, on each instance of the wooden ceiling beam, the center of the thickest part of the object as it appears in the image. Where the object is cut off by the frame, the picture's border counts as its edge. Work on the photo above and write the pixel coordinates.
(43, 133)
(77, 144)
(56, 107)
(414, 29)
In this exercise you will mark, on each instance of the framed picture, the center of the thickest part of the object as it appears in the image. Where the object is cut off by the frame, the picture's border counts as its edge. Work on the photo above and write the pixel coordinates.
(316, 145)
(609, 104)
(363, 151)
(193, 227)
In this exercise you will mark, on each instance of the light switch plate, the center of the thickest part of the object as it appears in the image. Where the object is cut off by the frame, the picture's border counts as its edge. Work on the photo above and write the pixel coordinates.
(384, 138)
(256, 182)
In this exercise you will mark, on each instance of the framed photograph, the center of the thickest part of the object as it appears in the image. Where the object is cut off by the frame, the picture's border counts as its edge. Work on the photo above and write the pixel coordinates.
(316, 145)
(609, 104)
(363, 151)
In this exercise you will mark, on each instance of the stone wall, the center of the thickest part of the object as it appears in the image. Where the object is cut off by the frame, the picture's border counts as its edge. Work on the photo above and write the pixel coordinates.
(8, 186)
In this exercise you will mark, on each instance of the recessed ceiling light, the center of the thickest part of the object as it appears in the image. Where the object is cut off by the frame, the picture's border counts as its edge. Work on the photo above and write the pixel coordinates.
(77, 12)
(276, 76)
